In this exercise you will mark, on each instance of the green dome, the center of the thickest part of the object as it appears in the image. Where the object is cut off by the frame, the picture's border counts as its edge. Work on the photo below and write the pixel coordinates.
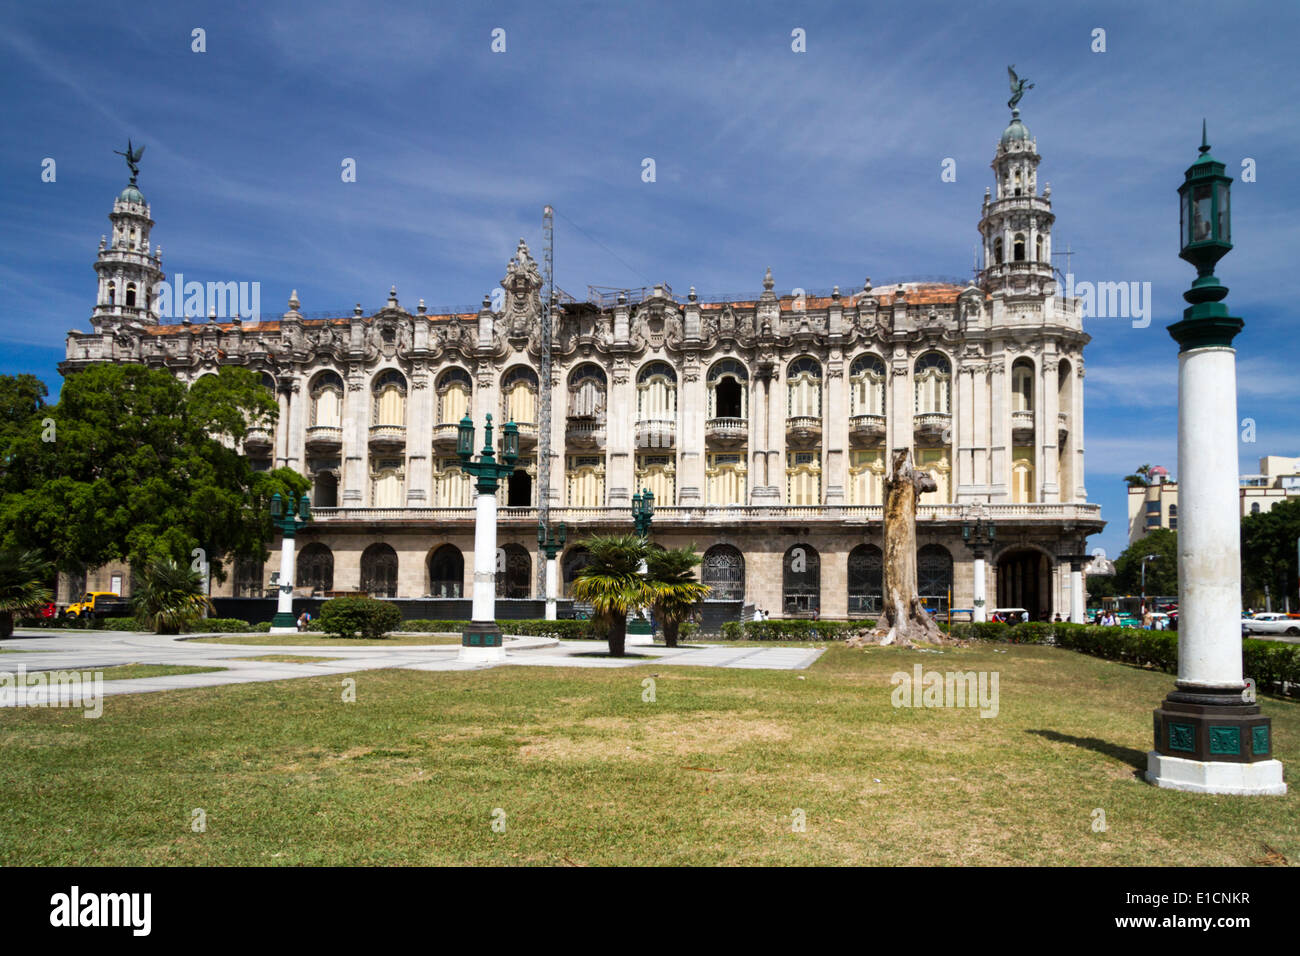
(1017, 132)
(131, 194)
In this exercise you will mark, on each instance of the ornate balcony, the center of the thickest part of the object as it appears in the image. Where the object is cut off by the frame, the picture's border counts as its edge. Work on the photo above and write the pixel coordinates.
(444, 436)
(931, 426)
(584, 433)
(866, 429)
(324, 438)
(1022, 427)
(258, 440)
(527, 434)
(656, 433)
(387, 436)
(803, 429)
(726, 432)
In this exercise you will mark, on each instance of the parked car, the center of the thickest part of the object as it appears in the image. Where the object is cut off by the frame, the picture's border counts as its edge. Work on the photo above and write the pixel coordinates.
(1271, 623)
(48, 610)
(1009, 615)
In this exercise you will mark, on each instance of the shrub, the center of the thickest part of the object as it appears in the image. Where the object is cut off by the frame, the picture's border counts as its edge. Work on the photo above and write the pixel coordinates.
(791, 630)
(530, 627)
(347, 617)
(221, 625)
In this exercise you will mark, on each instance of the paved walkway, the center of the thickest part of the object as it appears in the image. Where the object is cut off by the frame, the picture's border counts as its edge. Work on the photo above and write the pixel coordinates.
(95, 650)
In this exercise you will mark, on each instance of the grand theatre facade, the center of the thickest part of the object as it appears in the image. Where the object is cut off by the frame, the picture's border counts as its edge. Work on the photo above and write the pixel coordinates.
(762, 424)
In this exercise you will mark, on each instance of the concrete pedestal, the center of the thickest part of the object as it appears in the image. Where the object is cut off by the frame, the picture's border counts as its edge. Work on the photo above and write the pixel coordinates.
(1263, 778)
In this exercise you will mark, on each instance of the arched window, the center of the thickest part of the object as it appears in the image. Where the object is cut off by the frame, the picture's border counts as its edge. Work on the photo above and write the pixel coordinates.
(327, 400)
(519, 489)
(446, 572)
(454, 390)
(315, 566)
(390, 398)
(934, 576)
(1019, 247)
(866, 579)
(933, 384)
(723, 570)
(519, 395)
(249, 574)
(656, 392)
(587, 392)
(867, 385)
(130, 295)
(728, 382)
(584, 478)
(379, 571)
(514, 572)
(112, 293)
(997, 250)
(1022, 475)
(804, 388)
(1254, 508)
(573, 561)
(1022, 385)
(1038, 248)
(801, 581)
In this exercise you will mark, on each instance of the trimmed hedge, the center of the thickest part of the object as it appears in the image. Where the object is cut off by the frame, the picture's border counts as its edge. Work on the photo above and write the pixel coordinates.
(347, 617)
(1270, 663)
(529, 627)
(791, 630)
(221, 625)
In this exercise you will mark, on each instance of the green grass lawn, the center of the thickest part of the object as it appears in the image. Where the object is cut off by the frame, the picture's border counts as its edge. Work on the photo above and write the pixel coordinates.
(324, 640)
(132, 671)
(587, 773)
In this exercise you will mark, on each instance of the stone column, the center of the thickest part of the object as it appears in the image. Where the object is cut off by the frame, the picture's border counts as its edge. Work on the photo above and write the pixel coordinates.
(1076, 589)
(835, 431)
(620, 437)
(1000, 437)
(481, 640)
(980, 612)
(419, 441)
(1048, 436)
(692, 409)
(296, 428)
(356, 437)
(284, 603)
(551, 591)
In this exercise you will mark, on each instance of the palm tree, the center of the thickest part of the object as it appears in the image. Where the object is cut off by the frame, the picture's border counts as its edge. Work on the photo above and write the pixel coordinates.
(612, 585)
(1140, 479)
(169, 597)
(24, 577)
(676, 592)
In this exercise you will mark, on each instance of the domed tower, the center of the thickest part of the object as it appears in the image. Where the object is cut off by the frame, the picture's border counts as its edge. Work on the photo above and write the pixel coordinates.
(128, 271)
(1017, 221)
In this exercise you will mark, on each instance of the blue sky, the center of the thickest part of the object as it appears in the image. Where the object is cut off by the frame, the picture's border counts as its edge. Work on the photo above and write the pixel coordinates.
(823, 165)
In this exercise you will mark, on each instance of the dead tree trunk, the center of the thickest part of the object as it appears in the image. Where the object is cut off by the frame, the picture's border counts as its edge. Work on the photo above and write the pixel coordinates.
(903, 618)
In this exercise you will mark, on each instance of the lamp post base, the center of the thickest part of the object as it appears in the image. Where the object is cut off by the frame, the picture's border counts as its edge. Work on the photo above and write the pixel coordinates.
(1263, 778)
(1209, 740)
(284, 623)
(482, 642)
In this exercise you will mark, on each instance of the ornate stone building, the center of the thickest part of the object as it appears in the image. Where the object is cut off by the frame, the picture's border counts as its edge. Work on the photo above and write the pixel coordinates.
(762, 426)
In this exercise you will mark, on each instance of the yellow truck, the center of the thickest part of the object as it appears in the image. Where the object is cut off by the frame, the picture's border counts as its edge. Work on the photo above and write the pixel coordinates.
(98, 604)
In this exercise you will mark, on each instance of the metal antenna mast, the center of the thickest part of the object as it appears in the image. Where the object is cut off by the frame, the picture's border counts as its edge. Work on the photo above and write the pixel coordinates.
(544, 412)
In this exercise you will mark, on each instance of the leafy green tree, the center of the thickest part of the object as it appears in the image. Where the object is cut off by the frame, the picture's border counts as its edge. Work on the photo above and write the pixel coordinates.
(1162, 573)
(611, 585)
(1101, 585)
(1268, 553)
(676, 591)
(140, 467)
(168, 597)
(22, 402)
(24, 585)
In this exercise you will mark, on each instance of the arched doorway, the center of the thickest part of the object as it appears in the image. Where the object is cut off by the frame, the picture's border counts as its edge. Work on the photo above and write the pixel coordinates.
(446, 572)
(934, 577)
(379, 571)
(724, 572)
(573, 562)
(866, 580)
(802, 582)
(514, 572)
(315, 565)
(1025, 580)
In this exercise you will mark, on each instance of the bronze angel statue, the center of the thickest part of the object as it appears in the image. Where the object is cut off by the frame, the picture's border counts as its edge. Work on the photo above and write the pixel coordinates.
(1018, 87)
(132, 159)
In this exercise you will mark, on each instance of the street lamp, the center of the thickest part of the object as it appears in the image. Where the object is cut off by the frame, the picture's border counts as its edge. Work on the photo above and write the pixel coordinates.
(481, 640)
(1142, 609)
(643, 512)
(551, 543)
(978, 534)
(287, 521)
(1208, 738)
